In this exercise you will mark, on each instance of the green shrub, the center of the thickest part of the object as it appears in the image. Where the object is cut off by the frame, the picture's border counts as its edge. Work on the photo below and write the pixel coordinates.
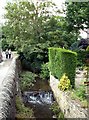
(26, 80)
(44, 71)
(81, 57)
(21, 110)
(64, 83)
(32, 57)
(57, 111)
(62, 61)
(79, 93)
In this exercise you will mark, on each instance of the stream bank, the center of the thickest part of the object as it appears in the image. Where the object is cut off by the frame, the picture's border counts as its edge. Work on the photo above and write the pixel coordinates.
(40, 98)
(37, 98)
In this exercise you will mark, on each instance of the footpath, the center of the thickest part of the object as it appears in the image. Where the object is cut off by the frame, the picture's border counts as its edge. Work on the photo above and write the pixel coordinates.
(4, 66)
(8, 86)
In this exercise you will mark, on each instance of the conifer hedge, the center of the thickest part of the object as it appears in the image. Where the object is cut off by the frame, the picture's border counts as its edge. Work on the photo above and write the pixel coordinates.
(62, 61)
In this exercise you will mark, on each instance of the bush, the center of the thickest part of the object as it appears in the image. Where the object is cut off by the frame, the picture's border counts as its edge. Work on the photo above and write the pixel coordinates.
(57, 111)
(21, 110)
(33, 56)
(81, 57)
(26, 80)
(79, 93)
(44, 71)
(33, 66)
(64, 83)
(62, 61)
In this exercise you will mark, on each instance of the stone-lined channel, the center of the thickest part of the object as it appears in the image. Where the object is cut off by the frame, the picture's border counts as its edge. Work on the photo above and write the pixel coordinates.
(40, 98)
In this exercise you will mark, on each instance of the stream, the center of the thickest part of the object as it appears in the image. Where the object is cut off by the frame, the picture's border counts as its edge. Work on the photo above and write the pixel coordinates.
(40, 98)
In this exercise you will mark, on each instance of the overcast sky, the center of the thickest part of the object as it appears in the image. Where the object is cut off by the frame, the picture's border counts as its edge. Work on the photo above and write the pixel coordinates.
(3, 3)
(2, 11)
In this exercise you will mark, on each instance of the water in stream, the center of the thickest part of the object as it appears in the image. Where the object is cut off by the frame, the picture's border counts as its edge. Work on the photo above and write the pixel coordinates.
(40, 98)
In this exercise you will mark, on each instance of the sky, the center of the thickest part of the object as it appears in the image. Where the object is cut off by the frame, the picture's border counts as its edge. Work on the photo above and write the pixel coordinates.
(2, 11)
(3, 3)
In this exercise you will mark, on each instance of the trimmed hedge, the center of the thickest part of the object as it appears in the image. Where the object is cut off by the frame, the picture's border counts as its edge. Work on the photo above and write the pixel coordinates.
(62, 61)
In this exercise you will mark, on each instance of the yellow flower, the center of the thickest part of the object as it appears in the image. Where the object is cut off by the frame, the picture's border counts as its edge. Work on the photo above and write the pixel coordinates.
(64, 83)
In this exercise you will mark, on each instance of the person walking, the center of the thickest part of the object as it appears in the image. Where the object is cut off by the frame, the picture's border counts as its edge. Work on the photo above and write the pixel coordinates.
(7, 53)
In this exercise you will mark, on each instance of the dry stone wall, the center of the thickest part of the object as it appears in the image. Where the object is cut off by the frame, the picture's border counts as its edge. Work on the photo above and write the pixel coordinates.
(8, 92)
(69, 107)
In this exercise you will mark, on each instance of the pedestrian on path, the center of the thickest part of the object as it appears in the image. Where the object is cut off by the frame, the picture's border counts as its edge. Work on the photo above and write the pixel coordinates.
(7, 53)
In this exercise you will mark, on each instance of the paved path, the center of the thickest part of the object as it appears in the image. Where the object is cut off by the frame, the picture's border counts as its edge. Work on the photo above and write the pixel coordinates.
(4, 66)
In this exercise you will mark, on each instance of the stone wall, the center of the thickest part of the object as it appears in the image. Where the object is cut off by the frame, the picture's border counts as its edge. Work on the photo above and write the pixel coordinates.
(69, 107)
(8, 91)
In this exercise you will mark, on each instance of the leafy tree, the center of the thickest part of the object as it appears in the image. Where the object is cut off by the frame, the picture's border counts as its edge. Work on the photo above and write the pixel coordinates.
(77, 15)
(4, 44)
(32, 28)
(26, 20)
